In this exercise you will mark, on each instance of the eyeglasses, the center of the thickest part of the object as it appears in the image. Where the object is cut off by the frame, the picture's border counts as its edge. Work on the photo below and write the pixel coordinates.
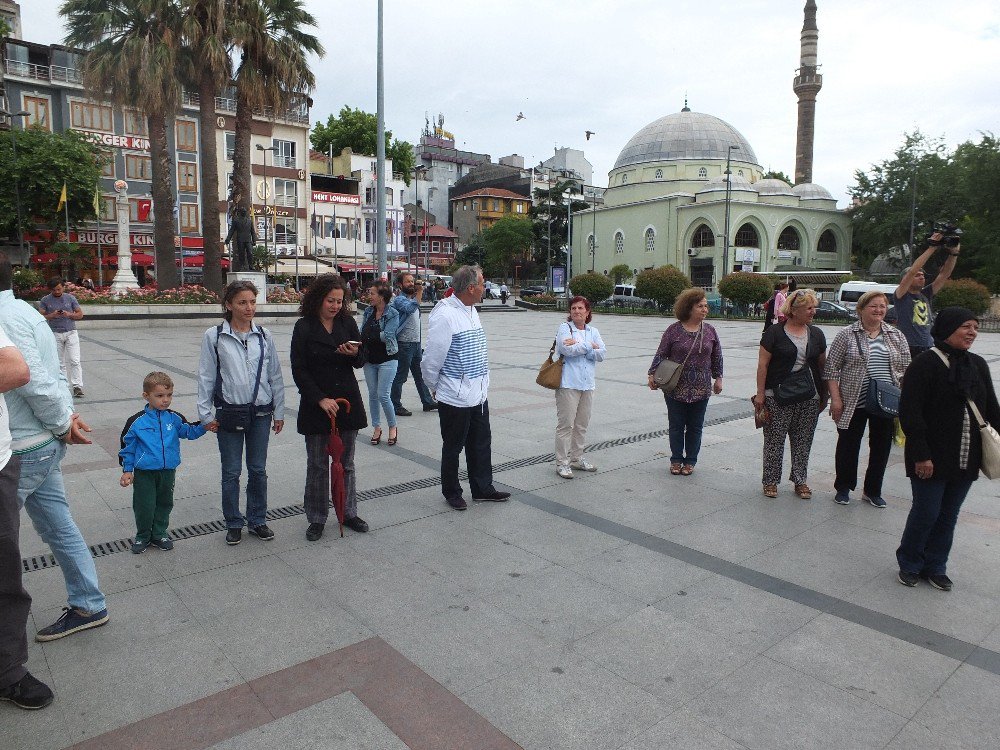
(799, 292)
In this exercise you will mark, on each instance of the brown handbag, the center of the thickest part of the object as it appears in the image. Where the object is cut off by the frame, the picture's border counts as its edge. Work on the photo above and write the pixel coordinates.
(550, 373)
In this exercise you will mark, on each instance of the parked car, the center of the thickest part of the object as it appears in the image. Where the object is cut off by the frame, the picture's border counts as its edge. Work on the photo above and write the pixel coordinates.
(624, 296)
(533, 291)
(826, 310)
(492, 291)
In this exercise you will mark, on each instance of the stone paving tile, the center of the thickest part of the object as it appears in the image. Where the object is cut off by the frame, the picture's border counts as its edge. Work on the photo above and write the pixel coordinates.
(965, 708)
(915, 736)
(683, 730)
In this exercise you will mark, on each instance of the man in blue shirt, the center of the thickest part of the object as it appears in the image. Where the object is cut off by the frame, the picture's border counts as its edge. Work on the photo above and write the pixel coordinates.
(914, 295)
(62, 311)
(407, 303)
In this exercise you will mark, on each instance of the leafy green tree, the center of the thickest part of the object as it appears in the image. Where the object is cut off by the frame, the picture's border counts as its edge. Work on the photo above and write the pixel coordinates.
(133, 59)
(44, 161)
(358, 130)
(507, 240)
(662, 285)
(548, 221)
(594, 286)
(963, 293)
(745, 288)
(774, 174)
(473, 254)
(620, 272)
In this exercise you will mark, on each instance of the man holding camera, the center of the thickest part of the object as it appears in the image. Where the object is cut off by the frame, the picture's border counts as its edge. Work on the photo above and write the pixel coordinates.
(407, 303)
(913, 295)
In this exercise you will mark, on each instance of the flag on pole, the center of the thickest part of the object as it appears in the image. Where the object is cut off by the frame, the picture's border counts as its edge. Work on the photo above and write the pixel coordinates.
(62, 198)
(97, 201)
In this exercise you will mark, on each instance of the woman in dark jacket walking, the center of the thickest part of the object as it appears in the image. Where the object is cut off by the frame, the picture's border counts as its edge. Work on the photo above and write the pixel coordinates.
(943, 448)
(325, 353)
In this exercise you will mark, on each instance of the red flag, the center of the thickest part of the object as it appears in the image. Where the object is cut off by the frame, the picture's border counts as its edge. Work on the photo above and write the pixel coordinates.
(144, 206)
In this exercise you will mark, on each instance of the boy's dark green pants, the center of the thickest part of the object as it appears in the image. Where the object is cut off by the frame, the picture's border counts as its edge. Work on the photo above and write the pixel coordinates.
(152, 501)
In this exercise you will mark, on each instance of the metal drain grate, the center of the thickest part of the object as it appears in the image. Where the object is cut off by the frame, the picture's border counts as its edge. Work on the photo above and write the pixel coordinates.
(41, 562)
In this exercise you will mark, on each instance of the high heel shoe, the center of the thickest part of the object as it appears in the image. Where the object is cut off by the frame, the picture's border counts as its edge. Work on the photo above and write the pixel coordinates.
(377, 437)
(392, 440)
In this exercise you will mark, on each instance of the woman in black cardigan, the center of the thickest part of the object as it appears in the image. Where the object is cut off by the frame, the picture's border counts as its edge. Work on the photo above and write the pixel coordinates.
(325, 353)
(943, 448)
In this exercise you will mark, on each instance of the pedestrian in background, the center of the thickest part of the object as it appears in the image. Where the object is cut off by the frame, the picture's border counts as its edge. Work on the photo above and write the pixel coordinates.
(61, 310)
(379, 325)
(695, 343)
(407, 304)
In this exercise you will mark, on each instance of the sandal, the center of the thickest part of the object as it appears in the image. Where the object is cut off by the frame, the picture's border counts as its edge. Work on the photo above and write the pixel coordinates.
(377, 437)
(687, 469)
(770, 490)
(804, 491)
(675, 469)
(392, 438)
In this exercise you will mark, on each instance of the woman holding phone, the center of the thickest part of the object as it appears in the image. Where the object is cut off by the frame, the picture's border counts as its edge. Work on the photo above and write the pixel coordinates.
(326, 350)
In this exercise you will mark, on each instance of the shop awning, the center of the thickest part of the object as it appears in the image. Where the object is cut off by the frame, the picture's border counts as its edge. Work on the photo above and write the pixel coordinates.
(198, 261)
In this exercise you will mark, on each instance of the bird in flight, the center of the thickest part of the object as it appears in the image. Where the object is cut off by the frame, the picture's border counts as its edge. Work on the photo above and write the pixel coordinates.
(589, 133)
(520, 116)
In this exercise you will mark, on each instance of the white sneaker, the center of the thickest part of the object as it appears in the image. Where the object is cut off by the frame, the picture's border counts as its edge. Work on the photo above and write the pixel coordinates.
(565, 472)
(583, 465)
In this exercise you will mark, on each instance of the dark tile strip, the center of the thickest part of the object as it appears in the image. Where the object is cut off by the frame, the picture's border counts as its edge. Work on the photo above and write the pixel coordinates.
(416, 708)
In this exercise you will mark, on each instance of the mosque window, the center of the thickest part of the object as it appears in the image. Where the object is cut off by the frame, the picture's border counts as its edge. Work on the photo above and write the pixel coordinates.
(827, 242)
(650, 240)
(703, 237)
(740, 172)
(619, 243)
(747, 236)
(703, 172)
(658, 175)
(590, 244)
(788, 239)
(624, 177)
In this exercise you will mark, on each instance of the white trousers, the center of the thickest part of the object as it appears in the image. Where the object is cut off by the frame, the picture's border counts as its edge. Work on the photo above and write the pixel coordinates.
(68, 346)
(573, 412)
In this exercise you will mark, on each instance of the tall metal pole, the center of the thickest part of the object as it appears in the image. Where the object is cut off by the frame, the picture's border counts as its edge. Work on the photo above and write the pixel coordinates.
(593, 252)
(380, 181)
(729, 187)
(569, 238)
(913, 211)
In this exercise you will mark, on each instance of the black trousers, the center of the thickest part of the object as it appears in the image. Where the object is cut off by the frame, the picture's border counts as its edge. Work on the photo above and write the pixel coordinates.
(849, 449)
(466, 428)
(14, 600)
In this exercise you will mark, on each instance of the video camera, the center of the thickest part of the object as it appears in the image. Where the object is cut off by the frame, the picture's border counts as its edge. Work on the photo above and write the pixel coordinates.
(952, 234)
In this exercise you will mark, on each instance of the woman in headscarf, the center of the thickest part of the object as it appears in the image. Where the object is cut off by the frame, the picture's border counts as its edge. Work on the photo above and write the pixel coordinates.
(943, 448)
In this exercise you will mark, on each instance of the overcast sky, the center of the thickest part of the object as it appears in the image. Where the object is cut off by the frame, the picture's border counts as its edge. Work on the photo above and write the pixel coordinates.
(612, 67)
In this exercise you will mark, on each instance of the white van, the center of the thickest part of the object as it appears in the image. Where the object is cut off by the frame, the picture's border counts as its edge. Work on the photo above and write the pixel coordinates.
(850, 292)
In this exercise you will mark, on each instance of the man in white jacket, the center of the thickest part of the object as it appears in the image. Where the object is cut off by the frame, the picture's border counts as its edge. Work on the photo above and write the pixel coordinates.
(456, 369)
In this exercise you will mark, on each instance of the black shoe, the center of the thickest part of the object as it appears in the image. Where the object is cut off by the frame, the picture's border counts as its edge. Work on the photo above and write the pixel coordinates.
(939, 581)
(908, 579)
(458, 503)
(495, 496)
(402, 411)
(314, 532)
(27, 693)
(71, 621)
(165, 543)
(234, 536)
(261, 532)
(356, 524)
(431, 407)
(139, 546)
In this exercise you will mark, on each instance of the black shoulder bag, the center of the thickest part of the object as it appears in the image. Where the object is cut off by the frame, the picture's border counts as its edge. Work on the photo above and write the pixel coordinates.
(797, 386)
(236, 417)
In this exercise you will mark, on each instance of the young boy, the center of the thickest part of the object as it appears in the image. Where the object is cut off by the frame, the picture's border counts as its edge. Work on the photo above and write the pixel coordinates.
(150, 454)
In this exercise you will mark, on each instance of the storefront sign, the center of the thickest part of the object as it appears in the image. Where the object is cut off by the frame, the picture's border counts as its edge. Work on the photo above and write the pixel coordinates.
(132, 142)
(342, 198)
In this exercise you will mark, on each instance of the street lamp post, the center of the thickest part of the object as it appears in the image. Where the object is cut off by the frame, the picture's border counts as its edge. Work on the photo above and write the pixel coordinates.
(17, 188)
(267, 217)
(729, 192)
(593, 250)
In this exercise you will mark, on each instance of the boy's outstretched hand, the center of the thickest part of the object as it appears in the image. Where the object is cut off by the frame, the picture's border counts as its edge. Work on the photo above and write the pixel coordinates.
(126, 479)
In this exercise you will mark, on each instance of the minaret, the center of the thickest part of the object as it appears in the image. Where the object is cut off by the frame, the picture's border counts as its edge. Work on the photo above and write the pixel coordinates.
(806, 85)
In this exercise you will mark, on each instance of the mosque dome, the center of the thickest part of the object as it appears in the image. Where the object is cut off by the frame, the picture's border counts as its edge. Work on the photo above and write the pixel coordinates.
(718, 184)
(685, 135)
(811, 191)
(773, 186)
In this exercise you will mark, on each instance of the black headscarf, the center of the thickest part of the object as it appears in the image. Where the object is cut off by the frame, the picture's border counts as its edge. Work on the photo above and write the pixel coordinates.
(961, 372)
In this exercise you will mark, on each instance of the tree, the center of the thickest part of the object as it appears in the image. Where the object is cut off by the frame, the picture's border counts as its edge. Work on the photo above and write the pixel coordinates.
(44, 162)
(778, 175)
(745, 288)
(662, 285)
(273, 71)
(548, 222)
(620, 272)
(596, 287)
(473, 254)
(133, 60)
(963, 293)
(358, 130)
(505, 241)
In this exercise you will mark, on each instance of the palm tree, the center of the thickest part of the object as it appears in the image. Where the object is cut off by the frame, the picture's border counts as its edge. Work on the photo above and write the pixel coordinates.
(273, 70)
(207, 66)
(132, 60)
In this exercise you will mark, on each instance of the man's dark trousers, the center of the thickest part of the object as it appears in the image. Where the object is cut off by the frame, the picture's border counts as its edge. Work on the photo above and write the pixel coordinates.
(468, 428)
(409, 357)
(14, 600)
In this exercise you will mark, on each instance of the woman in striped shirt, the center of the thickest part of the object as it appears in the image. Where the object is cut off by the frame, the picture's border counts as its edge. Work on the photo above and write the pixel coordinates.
(868, 350)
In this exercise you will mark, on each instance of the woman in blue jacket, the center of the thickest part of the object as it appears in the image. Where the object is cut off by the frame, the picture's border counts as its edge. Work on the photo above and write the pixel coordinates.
(378, 336)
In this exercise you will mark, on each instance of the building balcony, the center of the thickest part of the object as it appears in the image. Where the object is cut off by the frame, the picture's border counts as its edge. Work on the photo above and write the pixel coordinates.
(54, 73)
(228, 105)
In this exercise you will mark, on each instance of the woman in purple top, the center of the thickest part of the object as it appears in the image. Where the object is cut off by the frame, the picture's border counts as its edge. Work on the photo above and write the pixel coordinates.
(694, 339)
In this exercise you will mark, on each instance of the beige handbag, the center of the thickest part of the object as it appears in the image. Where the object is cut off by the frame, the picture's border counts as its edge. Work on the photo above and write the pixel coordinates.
(550, 373)
(989, 438)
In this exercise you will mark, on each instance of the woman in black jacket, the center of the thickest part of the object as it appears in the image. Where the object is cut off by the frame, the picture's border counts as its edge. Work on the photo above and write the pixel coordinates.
(325, 353)
(943, 448)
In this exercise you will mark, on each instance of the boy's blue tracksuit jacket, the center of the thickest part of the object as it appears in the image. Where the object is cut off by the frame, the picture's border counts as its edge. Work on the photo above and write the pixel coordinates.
(151, 439)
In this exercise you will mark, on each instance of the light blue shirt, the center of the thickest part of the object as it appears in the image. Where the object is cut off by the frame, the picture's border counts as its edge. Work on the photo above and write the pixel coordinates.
(580, 359)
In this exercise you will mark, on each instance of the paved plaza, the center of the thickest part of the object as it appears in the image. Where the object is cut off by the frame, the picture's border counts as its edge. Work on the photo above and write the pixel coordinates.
(626, 609)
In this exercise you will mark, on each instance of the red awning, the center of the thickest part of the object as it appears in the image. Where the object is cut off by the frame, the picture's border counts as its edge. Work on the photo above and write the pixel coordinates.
(198, 261)
(44, 258)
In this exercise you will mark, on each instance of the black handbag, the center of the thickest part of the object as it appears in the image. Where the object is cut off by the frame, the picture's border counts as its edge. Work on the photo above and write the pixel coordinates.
(796, 388)
(236, 417)
(882, 399)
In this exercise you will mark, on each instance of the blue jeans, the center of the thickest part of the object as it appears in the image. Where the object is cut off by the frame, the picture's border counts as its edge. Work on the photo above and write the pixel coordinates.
(409, 360)
(685, 422)
(930, 527)
(231, 453)
(379, 380)
(42, 494)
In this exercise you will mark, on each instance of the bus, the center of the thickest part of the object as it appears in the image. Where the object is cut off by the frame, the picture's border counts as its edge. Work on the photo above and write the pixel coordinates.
(850, 292)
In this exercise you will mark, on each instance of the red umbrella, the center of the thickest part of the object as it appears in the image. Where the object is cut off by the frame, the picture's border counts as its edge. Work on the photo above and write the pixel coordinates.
(335, 449)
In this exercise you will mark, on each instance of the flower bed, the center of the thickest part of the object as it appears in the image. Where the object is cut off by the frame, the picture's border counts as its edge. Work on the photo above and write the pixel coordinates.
(189, 294)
